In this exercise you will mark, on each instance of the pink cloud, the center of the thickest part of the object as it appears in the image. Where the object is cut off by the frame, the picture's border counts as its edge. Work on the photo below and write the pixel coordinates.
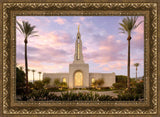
(60, 21)
(82, 18)
(48, 48)
(107, 50)
(52, 40)
(118, 65)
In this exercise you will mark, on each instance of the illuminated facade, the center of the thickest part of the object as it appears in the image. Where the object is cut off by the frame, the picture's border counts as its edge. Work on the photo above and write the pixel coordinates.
(79, 76)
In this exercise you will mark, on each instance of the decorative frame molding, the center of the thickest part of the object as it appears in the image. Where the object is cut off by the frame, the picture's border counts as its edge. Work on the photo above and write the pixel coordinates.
(8, 45)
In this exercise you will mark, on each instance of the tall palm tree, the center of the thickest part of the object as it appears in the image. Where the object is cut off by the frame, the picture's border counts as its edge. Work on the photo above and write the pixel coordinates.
(136, 65)
(28, 31)
(33, 74)
(39, 75)
(29, 70)
(127, 26)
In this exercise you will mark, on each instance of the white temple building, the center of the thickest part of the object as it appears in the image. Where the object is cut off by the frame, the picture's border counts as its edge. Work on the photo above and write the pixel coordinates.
(79, 76)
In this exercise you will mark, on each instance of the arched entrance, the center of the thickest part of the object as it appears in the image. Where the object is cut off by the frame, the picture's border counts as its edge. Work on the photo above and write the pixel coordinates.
(78, 79)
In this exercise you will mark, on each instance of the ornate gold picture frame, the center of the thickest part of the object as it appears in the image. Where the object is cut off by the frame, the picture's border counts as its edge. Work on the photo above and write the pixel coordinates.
(11, 9)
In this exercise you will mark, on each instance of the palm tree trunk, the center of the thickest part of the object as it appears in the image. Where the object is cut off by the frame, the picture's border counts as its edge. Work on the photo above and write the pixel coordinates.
(136, 74)
(26, 65)
(128, 77)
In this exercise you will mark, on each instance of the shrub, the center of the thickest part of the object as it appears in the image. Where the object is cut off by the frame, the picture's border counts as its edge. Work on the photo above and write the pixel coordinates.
(132, 94)
(118, 86)
(98, 83)
(53, 89)
(38, 95)
(38, 85)
(63, 84)
(54, 97)
(56, 82)
(20, 81)
(105, 98)
(121, 79)
(139, 88)
(46, 80)
(126, 97)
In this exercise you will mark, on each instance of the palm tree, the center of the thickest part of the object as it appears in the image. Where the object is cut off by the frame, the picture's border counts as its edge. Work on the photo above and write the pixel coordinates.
(33, 74)
(128, 24)
(29, 71)
(39, 75)
(28, 31)
(136, 65)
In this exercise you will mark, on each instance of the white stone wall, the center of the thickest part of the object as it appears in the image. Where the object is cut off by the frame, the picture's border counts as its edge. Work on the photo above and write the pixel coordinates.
(56, 75)
(109, 78)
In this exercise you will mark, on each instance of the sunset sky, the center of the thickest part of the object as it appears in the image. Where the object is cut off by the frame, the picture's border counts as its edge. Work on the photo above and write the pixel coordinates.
(104, 47)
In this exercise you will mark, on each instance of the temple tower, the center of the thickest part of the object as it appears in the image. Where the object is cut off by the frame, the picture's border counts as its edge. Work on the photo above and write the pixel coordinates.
(78, 56)
(78, 70)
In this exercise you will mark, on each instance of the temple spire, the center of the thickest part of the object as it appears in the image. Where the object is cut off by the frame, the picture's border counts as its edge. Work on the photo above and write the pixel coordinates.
(78, 56)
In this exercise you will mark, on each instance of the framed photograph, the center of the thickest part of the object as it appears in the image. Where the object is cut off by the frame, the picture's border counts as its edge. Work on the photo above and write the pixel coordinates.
(67, 58)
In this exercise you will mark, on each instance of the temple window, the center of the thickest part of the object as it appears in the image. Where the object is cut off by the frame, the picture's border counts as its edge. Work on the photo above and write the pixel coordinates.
(93, 80)
(64, 80)
(78, 79)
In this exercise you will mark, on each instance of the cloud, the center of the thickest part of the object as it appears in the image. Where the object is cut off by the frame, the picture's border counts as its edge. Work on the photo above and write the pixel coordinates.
(82, 18)
(108, 49)
(113, 66)
(52, 47)
(60, 21)
(138, 37)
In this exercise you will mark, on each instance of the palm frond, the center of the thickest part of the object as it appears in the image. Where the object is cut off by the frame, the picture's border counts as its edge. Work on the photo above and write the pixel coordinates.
(34, 35)
(128, 24)
(26, 29)
(124, 27)
(21, 29)
(122, 30)
(136, 64)
(138, 24)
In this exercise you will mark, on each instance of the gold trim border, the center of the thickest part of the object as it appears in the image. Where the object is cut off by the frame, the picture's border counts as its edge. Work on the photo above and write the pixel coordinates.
(8, 7)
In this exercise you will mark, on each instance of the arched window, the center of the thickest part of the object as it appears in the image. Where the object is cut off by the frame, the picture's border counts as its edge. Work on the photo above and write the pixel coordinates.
(64, 80)
(93, 80)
